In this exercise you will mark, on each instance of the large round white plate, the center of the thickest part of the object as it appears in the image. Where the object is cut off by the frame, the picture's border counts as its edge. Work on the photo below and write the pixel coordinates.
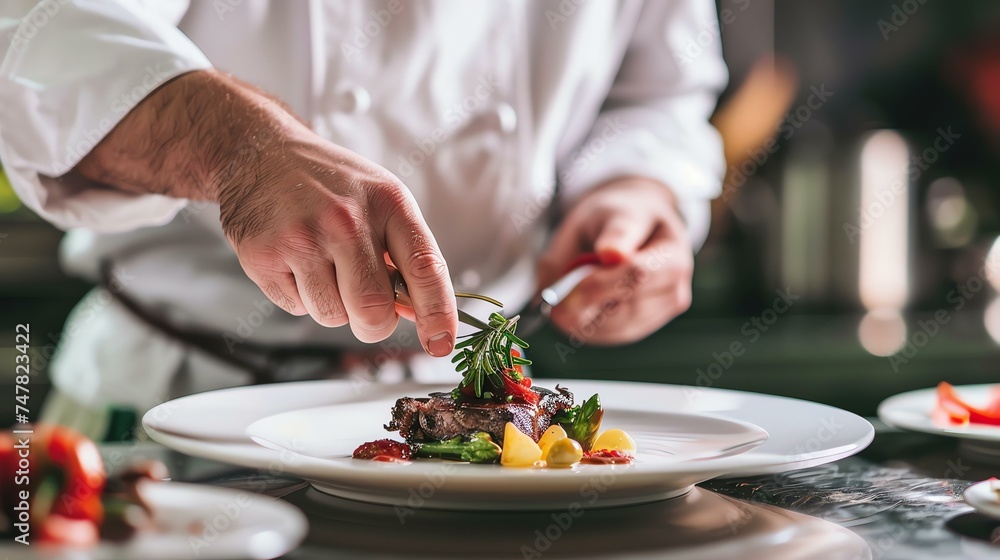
(913, 411)
(802, 434)
(194, 521)
(984, 498)
(668, 444)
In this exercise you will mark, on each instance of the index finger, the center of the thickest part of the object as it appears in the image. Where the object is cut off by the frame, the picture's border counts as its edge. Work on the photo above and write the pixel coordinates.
(415, 253)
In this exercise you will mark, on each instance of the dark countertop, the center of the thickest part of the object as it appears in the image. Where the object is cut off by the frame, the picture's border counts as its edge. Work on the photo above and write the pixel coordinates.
(902, 496)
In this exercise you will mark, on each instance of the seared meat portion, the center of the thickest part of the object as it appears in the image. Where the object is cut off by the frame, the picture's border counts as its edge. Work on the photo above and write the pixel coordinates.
(440, 417)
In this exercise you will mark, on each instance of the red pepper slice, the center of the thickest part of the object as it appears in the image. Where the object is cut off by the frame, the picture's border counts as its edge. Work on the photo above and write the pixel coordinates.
(518, 391)
(516, 386)
(994, 406)
(959, 411)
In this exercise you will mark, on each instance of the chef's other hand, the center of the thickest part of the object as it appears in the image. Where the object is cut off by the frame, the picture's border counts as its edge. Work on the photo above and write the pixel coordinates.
(634, 227)
(313, 224)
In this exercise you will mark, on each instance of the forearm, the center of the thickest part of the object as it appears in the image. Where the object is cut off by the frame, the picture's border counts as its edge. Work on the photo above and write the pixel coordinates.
(189, 138)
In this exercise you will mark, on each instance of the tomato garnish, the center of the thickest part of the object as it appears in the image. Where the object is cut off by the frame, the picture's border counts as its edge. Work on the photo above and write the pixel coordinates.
(518, 391)
(517, 367)
(388, 459)
(607, 457)
(384, 450)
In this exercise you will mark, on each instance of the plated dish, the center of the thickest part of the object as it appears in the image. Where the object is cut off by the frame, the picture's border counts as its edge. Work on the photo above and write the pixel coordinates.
(946, 410)
(297, 439)
(65, 506)
(676, 450)
(497, 415)
(263, 528)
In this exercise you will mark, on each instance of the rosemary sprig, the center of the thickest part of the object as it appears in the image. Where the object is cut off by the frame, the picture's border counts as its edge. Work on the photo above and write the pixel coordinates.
(486, 355)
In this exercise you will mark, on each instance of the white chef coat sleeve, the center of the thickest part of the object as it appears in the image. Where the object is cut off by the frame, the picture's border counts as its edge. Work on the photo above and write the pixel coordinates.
(654, 122)
(70, 71)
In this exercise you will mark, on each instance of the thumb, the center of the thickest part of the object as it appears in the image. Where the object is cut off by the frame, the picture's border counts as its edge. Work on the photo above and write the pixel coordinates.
(621, 237)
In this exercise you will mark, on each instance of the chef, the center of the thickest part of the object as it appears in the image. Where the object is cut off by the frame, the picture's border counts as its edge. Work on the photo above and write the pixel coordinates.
(240, 177)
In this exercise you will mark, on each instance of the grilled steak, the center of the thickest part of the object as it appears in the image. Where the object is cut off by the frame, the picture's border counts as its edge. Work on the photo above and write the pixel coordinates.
(440, 417)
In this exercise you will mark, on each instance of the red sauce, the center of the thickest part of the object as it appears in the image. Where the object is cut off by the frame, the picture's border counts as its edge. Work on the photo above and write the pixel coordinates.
(385, 450)
(607, 457)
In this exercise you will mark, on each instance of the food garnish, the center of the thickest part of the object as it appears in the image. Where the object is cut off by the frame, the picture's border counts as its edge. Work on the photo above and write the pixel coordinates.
(582, 422)
(383, 450)
(497, 414)
(552, 435)
(491, 366)
(519, 450)
(607, 457)
(564, 453)
(615, 440)
(477, 448)
(65, 494)
(953, 409)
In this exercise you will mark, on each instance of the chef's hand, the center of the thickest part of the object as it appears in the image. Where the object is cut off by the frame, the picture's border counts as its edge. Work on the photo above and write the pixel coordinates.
(634, 227)
(313, 224)
(312, 227)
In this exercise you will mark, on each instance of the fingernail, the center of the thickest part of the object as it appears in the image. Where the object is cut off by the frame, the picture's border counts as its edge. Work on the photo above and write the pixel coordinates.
(440, 345)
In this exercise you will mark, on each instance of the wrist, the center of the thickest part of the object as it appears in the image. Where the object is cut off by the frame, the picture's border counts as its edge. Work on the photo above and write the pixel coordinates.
(189, 138)
(238, 142)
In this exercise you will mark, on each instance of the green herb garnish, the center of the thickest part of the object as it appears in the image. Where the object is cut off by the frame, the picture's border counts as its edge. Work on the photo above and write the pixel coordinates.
(486, 355)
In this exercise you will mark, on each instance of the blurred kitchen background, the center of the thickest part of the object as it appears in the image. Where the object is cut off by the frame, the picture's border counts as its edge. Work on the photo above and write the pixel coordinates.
(863, 144)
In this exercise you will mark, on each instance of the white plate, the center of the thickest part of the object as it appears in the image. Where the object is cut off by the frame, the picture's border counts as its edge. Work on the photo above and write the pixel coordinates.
(668, 445)
(912, 411)
(984, 498)
(195, 521)
(802, 434)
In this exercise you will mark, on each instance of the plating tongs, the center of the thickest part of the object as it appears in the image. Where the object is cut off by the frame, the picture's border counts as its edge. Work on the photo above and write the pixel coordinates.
(534, 314)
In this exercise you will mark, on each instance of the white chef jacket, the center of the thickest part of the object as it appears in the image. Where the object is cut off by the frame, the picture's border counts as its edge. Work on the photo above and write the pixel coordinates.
(492, 113)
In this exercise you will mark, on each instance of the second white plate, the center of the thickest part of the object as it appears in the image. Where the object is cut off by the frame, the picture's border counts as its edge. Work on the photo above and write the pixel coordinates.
(913, 411)
(193, 521)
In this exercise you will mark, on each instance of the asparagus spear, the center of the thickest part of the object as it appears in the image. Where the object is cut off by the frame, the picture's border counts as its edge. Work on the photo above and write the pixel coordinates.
(582, 422)
(477, 448)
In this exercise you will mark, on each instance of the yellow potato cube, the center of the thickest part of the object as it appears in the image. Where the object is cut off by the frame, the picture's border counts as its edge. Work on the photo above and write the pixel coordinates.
(615, 439)
(564, 453)
(552, 435)
(519, 450)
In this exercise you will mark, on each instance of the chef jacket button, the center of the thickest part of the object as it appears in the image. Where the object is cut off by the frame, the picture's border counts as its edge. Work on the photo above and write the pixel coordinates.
(353, 99)
(506, 117)
(468, 280)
